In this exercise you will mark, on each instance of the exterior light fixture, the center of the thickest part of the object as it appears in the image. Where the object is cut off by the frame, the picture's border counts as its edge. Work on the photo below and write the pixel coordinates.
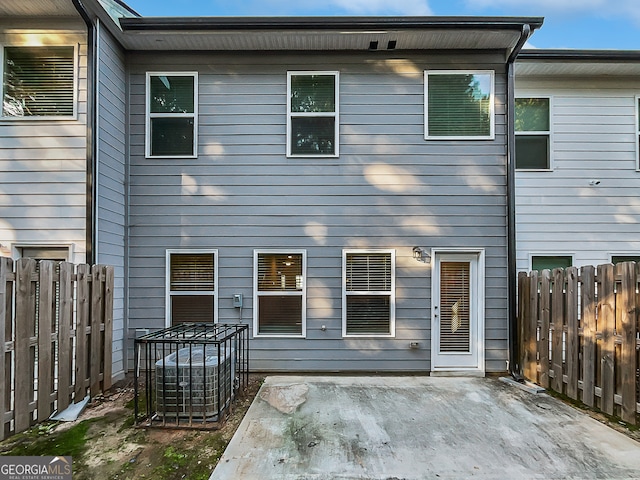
(421, 255)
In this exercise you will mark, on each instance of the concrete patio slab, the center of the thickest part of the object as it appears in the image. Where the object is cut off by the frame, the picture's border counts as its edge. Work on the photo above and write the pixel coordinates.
(312, 427)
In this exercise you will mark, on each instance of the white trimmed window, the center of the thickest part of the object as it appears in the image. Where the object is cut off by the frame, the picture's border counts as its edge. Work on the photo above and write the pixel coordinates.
(621, 258)
(172, 114)
(533, 134)
(638, 132)
(312, 114)
(549, 262)
(45, 252)
(368, 293)
(459, 105)
(38, 81)
(192, 278)
(280, 293)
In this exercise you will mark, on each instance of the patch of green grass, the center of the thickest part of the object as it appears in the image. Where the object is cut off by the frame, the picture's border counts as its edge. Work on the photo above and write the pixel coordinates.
(183, 461)
(578, 404)
(42, 440)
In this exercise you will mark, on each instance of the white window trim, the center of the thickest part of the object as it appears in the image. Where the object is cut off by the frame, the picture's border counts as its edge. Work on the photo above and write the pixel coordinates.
(623, 254)
(149, 115)
(492, 121)
(391, 293)
(302, 293)
(167, 279)
(636, 120)
(549, 133)
(553, 253)
(335, 114)
(76, 63)
(18, 247)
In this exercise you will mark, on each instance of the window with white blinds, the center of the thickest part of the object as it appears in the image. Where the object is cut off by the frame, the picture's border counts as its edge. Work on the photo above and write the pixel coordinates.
(38, 81)
(312, 114)
(191, 278)
(459, 105)
(369, 293)
(280, 293)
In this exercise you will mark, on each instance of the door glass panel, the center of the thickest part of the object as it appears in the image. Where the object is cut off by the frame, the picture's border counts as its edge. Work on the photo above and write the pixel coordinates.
(454, 307)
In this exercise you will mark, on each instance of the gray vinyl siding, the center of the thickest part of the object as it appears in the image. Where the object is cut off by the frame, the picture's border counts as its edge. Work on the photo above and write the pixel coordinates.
(594, 128)
(389, 189)
(111, 193)
(42, 166)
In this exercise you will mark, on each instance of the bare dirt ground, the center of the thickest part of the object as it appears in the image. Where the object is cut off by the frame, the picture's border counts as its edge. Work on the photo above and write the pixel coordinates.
(106, 445)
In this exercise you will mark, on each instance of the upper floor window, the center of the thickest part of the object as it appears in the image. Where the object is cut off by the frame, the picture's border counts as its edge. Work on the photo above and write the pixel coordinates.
(279, 290)
(459, 105)
(638, 132)
(369, 293)
(312, 114)
(191, 286)
(172, 114)
(38, 82)
(532, 134)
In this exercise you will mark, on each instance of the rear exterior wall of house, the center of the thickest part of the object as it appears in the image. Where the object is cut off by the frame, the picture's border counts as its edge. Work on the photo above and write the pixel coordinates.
(388, 189)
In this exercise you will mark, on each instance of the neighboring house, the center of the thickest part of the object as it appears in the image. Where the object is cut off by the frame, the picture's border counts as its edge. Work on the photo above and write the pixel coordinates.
(577, 157)
(342, 184)
(43, 131)
(62, 140)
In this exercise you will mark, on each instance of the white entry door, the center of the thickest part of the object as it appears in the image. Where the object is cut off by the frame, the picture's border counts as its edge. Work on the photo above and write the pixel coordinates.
(457, 314)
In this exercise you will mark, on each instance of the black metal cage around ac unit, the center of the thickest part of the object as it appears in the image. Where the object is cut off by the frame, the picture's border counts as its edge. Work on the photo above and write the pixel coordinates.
(190, 373)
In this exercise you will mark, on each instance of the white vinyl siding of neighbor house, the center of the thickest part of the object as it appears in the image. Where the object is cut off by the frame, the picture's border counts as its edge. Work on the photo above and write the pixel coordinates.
(588, 204)
(111, 179)
(43, 162)
(390, 189)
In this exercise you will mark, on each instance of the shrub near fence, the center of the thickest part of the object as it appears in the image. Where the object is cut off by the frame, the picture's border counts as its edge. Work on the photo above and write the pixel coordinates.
(579, 334)
(55, 338)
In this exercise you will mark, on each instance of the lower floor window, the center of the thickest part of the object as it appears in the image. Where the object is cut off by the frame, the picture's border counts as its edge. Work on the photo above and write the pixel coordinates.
(615, 259)
(549, 262)
(192, 284)
(369, 293)
(280, 293)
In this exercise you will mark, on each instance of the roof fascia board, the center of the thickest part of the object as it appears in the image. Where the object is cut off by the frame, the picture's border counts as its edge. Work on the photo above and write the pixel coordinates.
(579, 55)
(325, 23)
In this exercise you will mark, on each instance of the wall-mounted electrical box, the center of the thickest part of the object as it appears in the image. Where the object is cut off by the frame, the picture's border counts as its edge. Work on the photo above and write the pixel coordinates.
(237, 300)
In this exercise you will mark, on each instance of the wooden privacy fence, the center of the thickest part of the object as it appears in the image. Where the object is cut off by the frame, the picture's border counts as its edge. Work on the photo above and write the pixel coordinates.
(579, 334)
(55, 338)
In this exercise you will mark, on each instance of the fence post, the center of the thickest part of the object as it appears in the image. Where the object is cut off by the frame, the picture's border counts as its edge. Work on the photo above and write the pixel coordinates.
(557, 314)
(531, 328)
(543, 344)
(108, 327)
(606, 324)
(97, 314)
(573, 339)
(523, 313)
(24, 355)
(65, 321)
(588, 296)
(46, 300)
(82, 318)
(6, 267)
(626, 306)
